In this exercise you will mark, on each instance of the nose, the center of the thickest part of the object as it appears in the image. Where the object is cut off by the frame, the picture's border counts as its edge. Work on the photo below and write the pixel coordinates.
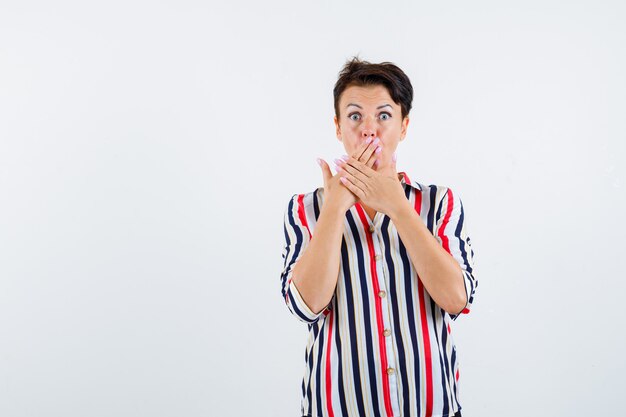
(369, 128)
(368, 132)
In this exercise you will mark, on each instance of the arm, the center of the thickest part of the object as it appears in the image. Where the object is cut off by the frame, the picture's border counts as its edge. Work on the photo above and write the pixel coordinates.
(311, 265)
(443, 262)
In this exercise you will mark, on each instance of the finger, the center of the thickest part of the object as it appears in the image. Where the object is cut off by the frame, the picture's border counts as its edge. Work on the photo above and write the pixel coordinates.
(361, 167)
(364, 151)
(325, 170)
(355, 190)
(369, 157)
(355, 175)
(366, 143)
(377, 156)
(374, 147)
(360, 151)
(372, 160)
(338, 164)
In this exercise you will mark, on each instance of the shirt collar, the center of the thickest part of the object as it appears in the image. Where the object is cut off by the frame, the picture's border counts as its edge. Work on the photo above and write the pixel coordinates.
(404, 179)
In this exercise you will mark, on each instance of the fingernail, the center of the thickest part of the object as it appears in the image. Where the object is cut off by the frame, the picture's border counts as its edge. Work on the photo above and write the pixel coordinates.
(394, 157)
(376, 141)
(345, 157)
(319, 162)
(379, 149)
(368, 140)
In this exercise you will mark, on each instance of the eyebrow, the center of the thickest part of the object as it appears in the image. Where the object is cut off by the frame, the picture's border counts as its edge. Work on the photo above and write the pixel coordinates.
(379, 107)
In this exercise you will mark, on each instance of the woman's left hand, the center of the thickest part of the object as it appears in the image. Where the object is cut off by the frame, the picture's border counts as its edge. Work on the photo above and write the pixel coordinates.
(378, 191)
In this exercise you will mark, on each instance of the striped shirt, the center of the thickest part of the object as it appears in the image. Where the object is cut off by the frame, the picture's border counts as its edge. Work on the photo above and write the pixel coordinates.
(382, 346)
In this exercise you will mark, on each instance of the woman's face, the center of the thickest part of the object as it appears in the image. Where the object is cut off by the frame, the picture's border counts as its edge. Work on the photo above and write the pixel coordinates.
(366, 112)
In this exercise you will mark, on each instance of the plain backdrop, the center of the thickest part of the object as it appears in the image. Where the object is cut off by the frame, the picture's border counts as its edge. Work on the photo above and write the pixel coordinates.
(148, 151)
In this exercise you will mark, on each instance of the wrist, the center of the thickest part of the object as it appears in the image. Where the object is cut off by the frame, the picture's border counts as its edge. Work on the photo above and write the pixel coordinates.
(401, 210)
(333, 207)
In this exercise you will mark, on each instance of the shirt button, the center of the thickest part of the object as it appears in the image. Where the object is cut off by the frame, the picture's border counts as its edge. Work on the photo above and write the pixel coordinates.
(382, 294)
(387, 332)
(391, 371)
(377, 257)
(372, 229)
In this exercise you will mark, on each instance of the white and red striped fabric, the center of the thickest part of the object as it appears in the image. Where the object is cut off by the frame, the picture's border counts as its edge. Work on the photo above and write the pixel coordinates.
(382, 347)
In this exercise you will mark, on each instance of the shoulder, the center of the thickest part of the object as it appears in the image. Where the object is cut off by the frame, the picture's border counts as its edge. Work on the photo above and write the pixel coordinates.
(303, 210)
(448, 203)
(310, 200)
(443, 200)
(436, 192)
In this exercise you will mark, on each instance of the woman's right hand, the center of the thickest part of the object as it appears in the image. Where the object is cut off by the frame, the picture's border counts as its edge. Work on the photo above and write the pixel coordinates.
(333, 189)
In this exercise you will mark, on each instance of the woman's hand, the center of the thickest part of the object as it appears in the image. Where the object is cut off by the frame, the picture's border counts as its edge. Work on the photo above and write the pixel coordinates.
(378, 191)
(333, 190)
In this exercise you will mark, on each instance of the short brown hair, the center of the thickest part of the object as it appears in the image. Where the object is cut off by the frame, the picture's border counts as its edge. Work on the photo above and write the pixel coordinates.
(362, 73)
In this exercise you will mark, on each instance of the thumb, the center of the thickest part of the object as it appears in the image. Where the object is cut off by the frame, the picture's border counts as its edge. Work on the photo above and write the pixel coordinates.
(325, 170)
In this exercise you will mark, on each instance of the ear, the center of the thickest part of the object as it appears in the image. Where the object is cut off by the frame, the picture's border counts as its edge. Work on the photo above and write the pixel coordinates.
(405, 124)
(337, 128)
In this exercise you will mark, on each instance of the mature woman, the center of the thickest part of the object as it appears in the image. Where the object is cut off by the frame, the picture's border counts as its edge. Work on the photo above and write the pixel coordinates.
(378, 265)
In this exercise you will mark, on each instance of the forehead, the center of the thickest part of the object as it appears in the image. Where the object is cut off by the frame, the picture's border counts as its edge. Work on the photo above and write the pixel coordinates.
(365, 94)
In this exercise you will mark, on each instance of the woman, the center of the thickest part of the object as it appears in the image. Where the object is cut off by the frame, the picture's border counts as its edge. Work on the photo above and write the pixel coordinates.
(389, 267)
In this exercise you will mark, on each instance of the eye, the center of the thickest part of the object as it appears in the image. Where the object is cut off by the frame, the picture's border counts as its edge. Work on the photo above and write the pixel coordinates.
(358, 116)
(388, 116)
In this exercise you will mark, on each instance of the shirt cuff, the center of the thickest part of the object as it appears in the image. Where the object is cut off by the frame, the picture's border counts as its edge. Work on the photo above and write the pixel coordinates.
(300, 307)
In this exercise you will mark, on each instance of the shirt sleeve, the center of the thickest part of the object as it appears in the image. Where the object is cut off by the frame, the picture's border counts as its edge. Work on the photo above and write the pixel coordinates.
(297, 236)
(452, 234)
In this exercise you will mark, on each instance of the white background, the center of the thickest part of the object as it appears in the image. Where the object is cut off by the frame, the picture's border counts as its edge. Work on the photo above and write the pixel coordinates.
(148, 151)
